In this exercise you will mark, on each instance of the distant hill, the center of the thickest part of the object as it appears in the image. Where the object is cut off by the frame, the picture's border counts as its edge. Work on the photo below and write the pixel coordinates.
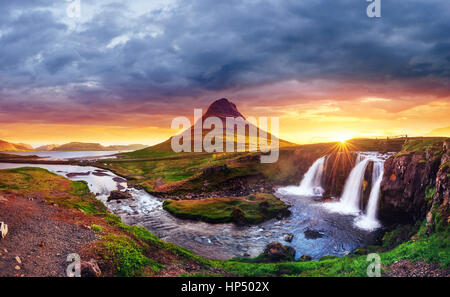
(221, 109)
(130, 147)
(83, 146)
(46, 148)
(14, 147)
(445, 132)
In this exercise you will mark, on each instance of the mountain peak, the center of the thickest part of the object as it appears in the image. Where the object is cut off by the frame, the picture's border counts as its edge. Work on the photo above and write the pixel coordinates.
(223, 108)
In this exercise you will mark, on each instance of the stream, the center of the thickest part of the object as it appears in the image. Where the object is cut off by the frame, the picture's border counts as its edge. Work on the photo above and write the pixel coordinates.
(317, 231)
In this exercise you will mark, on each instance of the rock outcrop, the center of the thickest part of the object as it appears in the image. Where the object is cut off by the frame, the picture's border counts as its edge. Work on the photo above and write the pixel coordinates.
(415, 183)
(438, 215)
(337, 168)
(90, 269)
(276, 252)
(119, 195)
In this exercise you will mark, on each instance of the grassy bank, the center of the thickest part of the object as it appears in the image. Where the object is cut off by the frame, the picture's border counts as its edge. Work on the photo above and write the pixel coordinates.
(123, 250)
(120, 250)
(161, 171)
(252, 209)
(431, 249)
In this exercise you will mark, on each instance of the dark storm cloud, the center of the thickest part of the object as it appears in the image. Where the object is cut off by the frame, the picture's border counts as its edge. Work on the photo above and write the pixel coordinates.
(200, 46)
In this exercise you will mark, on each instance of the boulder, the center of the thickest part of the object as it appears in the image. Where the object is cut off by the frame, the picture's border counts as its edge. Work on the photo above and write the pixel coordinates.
(277, 252)
(119, 195)
(313, 234)
(305, 258)
(238, 216)
(90, 269)
(289, 237)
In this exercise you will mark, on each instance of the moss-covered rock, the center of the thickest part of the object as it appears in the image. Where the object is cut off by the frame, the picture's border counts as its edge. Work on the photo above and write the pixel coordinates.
(252, 209)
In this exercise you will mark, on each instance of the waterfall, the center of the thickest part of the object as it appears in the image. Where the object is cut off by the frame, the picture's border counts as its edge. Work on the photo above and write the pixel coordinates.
(311, 184)
(353, 187)
(369, 220)
(350, 198)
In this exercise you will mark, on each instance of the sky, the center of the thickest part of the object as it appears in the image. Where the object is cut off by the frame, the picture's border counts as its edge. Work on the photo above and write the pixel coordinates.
(121, 71)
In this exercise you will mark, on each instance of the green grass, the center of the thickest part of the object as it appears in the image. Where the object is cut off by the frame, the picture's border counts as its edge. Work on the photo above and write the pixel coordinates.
(146, 153)
(420, 145)
(127, 256)
(97, 228)
(432, 249)
(429, 192)
(161, 171)
(133, 250)
(255, 208)
(54, 188)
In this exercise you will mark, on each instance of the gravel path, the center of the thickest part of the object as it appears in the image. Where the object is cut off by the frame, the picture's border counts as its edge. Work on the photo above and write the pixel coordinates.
(37, 244)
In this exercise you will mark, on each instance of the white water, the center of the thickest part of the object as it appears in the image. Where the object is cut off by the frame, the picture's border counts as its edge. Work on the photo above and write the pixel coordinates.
(222, 241)
(311, 184)
(350, 200)
(101, 183)
(369, 220)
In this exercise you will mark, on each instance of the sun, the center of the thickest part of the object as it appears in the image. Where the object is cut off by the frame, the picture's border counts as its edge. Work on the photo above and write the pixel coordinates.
(342, 139)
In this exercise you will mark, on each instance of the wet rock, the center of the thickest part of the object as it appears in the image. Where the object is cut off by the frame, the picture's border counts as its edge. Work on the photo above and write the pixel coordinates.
(289, 237)
(90, 269)
(337, 169)
(276, 252)
(119, 180)
(361, 251)
(305, 258)
(118, 195)
(327, 258)
(99, 173)
(75, 174)
(238, 216)
(284, 213)
(313, 234)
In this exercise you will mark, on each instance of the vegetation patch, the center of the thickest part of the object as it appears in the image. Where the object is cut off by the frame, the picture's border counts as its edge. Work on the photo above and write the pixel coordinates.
(122, 250)
(252, 209)
(431, 249)
(54, 188)
(126, 255)
(429, 192)
(421, 145)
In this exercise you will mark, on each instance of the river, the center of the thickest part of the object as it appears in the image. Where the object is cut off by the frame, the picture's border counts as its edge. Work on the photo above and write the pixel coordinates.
(317, 232)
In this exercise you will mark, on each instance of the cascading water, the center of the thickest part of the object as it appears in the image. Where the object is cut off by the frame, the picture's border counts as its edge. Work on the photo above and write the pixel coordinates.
(350, 199)
(369, 220)
(349, 202)
(311, 184)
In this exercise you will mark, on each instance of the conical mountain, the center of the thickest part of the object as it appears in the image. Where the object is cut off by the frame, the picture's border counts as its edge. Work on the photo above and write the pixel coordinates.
(223, 109)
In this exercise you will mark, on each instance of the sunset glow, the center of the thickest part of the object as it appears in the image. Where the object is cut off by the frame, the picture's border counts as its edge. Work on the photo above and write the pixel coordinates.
(117, 76)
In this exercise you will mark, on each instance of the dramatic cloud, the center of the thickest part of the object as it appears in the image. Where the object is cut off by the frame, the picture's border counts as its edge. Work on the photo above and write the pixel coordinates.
(159, 57)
